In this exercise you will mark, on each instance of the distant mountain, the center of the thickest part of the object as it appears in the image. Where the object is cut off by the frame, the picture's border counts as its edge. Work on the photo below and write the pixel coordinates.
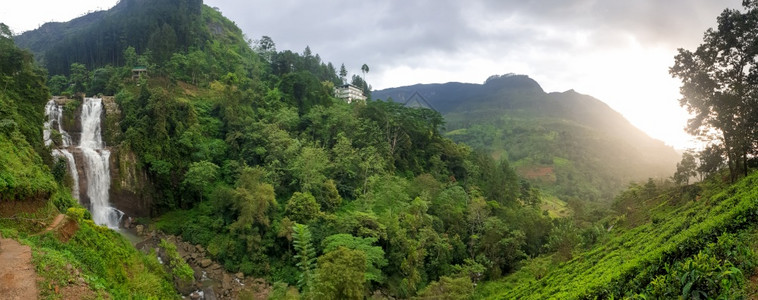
(571, 144)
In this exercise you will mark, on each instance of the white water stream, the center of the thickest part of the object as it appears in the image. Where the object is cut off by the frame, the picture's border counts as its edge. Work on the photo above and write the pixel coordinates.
(95, 156)
(54, 114)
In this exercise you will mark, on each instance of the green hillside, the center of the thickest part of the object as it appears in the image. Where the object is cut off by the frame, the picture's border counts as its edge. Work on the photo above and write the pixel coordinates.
(570, 144)
(696, 242)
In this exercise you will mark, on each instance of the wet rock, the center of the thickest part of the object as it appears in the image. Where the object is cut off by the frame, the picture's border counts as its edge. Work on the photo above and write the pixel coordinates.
(196, 295)
(127, 222)
(184, 287)
(140, 230)
(199, 249)
(209, 293)
(240, 275)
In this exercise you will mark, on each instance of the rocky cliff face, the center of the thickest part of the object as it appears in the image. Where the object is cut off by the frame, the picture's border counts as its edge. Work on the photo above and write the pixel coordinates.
(130, 188)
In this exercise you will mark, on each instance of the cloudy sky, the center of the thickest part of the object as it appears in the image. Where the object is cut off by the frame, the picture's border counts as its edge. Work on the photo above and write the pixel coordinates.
(618, 51)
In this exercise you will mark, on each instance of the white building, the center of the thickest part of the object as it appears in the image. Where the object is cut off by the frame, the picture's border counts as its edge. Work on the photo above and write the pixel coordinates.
(349, 93)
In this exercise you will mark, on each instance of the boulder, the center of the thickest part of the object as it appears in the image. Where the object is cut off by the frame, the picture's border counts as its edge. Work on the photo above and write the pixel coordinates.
(205, 262)
(196, 295)
(209, 293)
(226, 283)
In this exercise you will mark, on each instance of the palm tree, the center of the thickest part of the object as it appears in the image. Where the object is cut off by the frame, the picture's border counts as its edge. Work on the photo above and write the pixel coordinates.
(364, 69)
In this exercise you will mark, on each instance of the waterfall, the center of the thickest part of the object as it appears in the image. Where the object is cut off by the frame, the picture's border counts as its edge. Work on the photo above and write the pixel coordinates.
(54, 114)
(65, 154)
(96, 164)
(95, 158)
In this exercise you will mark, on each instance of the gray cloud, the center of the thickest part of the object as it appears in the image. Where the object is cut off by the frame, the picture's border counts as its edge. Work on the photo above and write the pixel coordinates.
(394, 33)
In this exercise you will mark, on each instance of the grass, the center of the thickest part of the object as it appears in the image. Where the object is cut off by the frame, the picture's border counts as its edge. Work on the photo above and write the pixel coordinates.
(557, 208)
(94, 258)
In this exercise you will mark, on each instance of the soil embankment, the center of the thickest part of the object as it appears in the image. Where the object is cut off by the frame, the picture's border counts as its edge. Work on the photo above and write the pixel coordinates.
(18, 280)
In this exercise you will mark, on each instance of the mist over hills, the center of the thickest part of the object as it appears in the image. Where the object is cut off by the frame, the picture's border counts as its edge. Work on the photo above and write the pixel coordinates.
(572, 144)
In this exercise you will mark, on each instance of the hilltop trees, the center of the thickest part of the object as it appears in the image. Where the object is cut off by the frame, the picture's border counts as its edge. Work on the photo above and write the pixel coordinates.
(686, 169)
(720, 86)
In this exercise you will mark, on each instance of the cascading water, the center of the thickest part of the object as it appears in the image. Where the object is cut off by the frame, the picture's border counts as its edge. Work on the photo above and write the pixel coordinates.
(96, 164)
(54, 114)
(65, 154)
(94, 154)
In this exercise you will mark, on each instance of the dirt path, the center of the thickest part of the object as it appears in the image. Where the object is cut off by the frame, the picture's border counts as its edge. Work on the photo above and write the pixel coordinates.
(17, 277)
(56, 222)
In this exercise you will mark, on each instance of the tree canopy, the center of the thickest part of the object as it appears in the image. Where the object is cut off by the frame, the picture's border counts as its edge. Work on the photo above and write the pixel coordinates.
(720, 86)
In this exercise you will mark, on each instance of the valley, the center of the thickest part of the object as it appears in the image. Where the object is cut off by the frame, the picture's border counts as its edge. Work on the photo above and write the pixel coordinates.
(154, 151)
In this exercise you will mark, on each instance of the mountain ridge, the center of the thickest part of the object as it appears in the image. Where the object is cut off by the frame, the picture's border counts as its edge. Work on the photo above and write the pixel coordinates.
(509, 111)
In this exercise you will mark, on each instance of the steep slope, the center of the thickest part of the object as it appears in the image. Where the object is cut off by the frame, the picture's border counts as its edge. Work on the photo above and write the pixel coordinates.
(569, 143)
(694, 242)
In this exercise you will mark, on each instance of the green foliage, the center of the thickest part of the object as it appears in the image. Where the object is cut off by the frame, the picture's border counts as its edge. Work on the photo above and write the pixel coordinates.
(697, 250)
(329, 197)
(375, 259)
(448, 288)
(563, 238)
(63, 200)
(718, 97)
(718, 271)
(79, 78)
(22, 98)
(305, 257)
(200, 176)
(109, 264)
(253, 200)
(176, 264)
(57, 84)
(282, 291)
(340, 274)
(22, 172)
(302, 207)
